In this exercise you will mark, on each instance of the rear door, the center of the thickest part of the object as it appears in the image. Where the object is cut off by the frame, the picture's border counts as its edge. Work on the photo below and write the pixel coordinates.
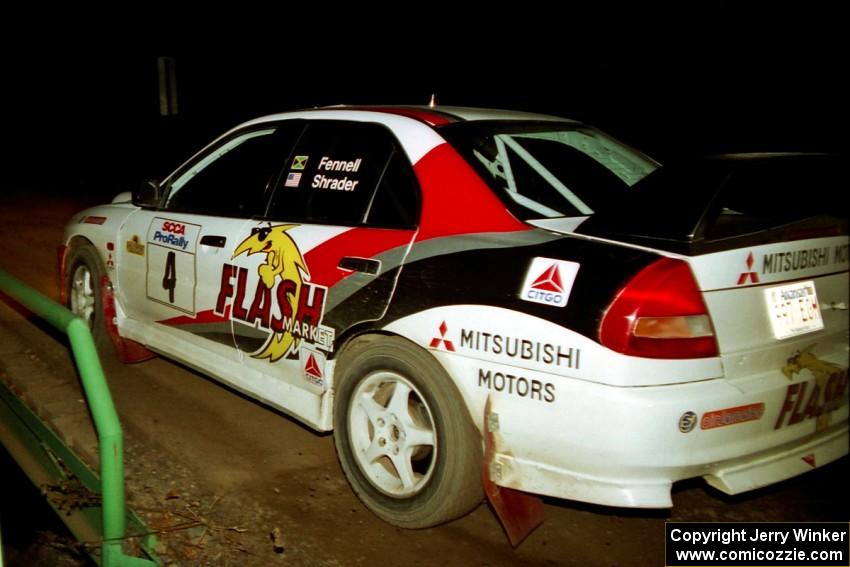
(326, 255)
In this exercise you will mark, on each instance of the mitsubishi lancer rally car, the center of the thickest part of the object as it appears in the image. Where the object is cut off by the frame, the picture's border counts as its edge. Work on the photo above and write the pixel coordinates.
(456, 290)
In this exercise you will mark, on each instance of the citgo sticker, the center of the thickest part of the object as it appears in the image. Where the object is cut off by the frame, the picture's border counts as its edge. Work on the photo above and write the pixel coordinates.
(313, 364)
(549, 281)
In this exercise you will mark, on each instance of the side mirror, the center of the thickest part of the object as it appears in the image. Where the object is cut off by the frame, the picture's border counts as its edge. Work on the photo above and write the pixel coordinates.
(148, 194)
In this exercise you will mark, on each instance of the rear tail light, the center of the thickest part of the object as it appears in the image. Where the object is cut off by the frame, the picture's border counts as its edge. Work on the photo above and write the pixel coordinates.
(660, 314)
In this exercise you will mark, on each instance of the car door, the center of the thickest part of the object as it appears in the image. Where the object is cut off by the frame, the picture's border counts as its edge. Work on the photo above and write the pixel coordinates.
(326, 255)
(172, 259)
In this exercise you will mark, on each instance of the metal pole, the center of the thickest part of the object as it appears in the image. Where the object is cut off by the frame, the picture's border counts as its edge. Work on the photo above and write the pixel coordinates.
(108, 428)
(110, 435)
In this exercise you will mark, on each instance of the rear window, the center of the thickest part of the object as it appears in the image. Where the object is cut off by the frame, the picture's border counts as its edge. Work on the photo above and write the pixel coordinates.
(548, 169)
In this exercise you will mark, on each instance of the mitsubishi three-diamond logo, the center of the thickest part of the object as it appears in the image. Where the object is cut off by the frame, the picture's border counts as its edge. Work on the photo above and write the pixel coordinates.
(436, 342)
(749, 275)
(549, 281)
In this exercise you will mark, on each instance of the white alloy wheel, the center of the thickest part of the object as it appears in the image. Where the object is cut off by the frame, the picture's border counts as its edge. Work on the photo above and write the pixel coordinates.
(82, 295)
(84, 274)
(391, 430)
(403, 433)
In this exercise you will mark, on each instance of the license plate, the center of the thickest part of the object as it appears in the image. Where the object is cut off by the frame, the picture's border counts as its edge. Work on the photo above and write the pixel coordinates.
(793, 309)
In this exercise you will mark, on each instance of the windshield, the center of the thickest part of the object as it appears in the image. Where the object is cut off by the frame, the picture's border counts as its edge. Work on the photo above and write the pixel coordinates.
(549, 169)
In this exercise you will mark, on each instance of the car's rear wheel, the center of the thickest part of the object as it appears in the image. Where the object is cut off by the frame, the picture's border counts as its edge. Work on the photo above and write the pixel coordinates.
(403, 434)
(84, 295)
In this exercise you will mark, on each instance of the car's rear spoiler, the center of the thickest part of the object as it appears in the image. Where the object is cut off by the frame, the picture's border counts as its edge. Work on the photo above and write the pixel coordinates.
(725, 202)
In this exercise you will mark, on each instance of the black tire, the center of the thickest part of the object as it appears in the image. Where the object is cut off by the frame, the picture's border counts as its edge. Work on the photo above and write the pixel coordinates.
(83, 294)
(396, 409)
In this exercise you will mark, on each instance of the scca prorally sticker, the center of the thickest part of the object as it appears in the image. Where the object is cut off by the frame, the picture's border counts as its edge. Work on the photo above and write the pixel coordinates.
(282, 303)
(549, 281)
(173, 234)
(171, 246)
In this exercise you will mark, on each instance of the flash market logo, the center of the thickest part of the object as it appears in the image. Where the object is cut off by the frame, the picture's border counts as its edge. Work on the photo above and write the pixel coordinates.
(282, 302)
(749, 274)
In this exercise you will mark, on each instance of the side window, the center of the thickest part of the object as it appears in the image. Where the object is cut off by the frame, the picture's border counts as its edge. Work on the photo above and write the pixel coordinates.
(347, 173)
(396, 200)
(547, 169)
(235, 178)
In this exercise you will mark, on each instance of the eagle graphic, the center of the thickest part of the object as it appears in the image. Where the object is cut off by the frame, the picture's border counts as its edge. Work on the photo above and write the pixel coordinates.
(822, 371)
(284, 261)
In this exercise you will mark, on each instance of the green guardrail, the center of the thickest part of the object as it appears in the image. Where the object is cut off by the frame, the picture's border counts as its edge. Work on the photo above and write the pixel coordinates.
(106, 423)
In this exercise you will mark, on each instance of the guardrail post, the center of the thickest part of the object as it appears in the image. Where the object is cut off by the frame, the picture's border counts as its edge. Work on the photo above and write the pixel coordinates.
(106, 422)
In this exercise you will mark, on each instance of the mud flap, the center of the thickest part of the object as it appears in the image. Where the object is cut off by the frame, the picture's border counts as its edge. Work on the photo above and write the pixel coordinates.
(126, 349)
(519, 512)
(61, 254)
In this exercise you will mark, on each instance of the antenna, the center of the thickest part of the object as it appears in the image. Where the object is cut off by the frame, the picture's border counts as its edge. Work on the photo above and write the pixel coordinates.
(433, 101)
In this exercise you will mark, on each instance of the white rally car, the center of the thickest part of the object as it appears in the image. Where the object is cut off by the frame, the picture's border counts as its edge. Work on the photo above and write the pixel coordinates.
(457, 290)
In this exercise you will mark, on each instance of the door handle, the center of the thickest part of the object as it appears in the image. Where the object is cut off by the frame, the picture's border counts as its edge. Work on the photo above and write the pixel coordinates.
(213, 240)
(364, 265)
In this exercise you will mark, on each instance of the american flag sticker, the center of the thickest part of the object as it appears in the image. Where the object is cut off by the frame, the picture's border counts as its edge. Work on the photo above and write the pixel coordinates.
(292, 179)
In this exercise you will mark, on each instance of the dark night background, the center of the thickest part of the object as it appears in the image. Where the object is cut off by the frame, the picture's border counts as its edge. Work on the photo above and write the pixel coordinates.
(81, 104)
(83, 114)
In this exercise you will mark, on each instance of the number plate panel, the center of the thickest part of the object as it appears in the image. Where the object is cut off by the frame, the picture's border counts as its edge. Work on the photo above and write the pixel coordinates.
(171, 276)
(793, 309)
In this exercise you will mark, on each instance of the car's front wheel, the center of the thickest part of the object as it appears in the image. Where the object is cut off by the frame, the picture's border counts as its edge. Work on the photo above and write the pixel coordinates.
(403, 434)
(84, 272)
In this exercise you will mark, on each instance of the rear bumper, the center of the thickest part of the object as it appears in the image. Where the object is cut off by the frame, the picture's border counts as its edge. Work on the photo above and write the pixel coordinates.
(760, 470)
(626, 447)
(732, 477)
(585, 431)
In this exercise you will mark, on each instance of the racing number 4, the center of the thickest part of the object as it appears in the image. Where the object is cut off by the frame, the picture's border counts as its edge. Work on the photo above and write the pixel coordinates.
(169, 279)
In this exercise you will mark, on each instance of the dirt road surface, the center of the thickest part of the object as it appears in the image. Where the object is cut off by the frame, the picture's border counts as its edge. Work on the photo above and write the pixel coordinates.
(228, 481)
